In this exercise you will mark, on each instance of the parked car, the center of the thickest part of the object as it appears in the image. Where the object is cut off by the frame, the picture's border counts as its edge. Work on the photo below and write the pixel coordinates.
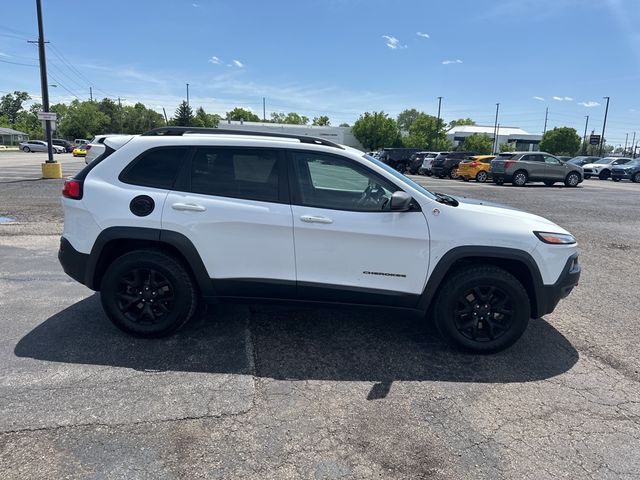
(415, 162)
(170, 218)
(520, 168)
(39, 146)
(96, 146)
(66, 144)
(397, 158)
(476, 167)
(79, 151)
(80, 141)
(628, 171)
(447, 165)
(564, 158)
(602, 168)
(427, 163)
(581, 161)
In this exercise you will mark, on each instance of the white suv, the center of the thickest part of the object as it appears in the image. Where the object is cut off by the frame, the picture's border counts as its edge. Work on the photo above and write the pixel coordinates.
(178, 215)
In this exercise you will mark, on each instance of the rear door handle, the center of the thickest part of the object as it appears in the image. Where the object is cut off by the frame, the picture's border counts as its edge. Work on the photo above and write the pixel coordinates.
(188, 207)
(315, 219)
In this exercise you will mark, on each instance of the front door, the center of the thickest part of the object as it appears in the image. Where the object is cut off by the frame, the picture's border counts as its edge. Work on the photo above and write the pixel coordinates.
(349, 246)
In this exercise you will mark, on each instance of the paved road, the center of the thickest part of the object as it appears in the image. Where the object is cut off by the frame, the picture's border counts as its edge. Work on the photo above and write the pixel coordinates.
(265, 392)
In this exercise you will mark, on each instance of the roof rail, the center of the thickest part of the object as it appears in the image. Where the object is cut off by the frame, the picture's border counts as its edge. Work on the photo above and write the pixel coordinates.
(179, 131)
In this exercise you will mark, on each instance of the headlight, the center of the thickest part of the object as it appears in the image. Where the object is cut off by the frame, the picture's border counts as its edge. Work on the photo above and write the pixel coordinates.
(556, 238)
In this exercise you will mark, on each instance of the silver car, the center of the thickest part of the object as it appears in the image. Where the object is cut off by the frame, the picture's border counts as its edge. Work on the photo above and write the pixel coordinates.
(39, 146)
(522, 167)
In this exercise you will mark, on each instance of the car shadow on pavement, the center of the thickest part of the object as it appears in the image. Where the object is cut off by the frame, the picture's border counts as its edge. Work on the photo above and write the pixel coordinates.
(297, 344)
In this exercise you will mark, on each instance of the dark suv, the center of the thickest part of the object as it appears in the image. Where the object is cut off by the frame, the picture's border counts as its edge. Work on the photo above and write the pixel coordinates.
(447, 165)
(68, 146)
(629, 171)
(522, 167)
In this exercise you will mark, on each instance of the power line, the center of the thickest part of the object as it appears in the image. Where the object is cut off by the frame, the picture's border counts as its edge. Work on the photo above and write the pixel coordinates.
(60, 84)
(18, 63)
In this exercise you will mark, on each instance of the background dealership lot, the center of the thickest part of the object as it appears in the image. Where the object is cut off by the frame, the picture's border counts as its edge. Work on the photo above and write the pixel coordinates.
(269, 392)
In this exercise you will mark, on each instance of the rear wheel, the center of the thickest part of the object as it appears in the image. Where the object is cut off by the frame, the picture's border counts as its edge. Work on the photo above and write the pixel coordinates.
(26, 149)
(604, 174)
(148, 293)
(481, 176)
(636, 178)
(572, 180)
(453, 174)
(520, 178)
(482, 308)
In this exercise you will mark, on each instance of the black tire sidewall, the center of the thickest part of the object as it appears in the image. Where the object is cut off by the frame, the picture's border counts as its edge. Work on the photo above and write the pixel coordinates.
(461, 282)
(636, 178)
(185, 300)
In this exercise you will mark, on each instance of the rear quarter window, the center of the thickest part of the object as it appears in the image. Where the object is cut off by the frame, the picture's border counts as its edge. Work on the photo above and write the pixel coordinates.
(157, 168)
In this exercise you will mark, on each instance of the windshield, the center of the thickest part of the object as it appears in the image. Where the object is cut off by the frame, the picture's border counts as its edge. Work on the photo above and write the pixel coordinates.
(605, 161)
(400, 176)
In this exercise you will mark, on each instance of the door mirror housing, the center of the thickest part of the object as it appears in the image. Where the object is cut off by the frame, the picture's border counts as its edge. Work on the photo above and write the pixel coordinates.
(400, 201)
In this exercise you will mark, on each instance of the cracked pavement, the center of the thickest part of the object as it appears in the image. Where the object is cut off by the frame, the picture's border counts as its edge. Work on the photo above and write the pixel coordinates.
(259, 392)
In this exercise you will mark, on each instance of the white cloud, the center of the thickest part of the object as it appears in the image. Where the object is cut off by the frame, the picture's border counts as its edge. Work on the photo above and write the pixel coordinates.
(449, 62)
(589, 104)
(238, 63)
(215, 60)
(392, 42)
(538, 98)
(2, 54)
(559, 99)
(563, 99)
(195, 5)
(568, 99)
(423, 35)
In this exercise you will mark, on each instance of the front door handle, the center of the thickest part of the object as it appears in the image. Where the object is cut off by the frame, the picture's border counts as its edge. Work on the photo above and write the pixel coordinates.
(188, 207)
(315, 219)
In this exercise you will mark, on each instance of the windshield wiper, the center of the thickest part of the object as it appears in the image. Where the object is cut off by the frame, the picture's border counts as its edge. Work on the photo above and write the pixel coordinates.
(446, 199)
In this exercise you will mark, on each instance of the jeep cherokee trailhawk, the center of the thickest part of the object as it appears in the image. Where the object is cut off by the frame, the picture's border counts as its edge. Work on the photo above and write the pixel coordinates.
(166, 219)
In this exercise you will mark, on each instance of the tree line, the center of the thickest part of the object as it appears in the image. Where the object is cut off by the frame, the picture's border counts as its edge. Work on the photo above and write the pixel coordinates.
(374, 130)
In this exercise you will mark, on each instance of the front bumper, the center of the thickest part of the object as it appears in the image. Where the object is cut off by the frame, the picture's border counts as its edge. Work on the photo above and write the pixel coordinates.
(550, 295)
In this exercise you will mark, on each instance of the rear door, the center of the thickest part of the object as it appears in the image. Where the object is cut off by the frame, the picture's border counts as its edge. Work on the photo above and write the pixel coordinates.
(535, 166)
(232, 203)
(349, 246)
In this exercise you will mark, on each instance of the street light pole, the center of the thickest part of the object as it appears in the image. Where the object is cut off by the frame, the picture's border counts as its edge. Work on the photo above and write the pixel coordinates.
(43, 82)
(546, 116)
(495, 130)
(584, 138)
(187, 94)
(626, 139)
(438, 124)
(604, 125)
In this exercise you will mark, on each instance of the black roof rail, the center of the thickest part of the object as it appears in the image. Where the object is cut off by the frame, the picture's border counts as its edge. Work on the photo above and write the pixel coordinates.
(179, 131)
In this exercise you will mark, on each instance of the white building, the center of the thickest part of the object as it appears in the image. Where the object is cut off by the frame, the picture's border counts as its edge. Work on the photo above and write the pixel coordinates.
(341, 135)
(524, 141)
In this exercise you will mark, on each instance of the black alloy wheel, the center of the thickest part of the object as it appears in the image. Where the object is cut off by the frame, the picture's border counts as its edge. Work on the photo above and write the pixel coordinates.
(145, 296)
(604, 174)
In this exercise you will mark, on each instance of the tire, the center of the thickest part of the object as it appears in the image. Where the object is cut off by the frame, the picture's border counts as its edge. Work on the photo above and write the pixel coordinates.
(453, 174)
(549, 183)
(587, 176)
(26, 149)
(472, 295)
(604, 174)
(636, 178)
(143, 277)
(482, 176)
(615, 179)
(466, 179)
(520, 178)
(572, 179)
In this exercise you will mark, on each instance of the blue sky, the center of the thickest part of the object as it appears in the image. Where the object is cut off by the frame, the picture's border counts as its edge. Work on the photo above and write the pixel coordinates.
(342, 57)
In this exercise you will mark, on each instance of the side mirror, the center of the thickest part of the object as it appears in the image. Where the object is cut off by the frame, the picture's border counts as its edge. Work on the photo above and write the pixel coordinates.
(400, 201)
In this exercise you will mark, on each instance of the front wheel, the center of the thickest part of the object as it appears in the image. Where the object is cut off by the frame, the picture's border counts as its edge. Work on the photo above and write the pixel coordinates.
(481, 176)
(148, 294)
(453, 174)
(26, 149)
(483, 309)
(636, 178)
(572, 180)
(604, 174)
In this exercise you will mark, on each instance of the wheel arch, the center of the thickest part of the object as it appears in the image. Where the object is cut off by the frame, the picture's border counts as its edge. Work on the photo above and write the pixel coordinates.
(116, 241)
(517, 262)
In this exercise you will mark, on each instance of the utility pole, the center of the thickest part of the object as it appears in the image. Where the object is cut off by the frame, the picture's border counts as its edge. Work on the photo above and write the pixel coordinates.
(624, 152)
(187, 94)
(43, 82)
(438, 124)
(166, 120)
(264, 110)
(91, 93)
(495, 130)
(584, 138)
(634, 146)
(120, 114)
(546, 115)
(604, 125)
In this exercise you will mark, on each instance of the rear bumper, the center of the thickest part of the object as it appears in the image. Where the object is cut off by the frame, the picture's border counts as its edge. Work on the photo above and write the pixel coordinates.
(501, 177)
(440, 171)
(73, 262)
(550, 295)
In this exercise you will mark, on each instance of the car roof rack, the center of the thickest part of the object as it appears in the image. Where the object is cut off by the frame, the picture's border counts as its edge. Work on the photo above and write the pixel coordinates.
(179, 131)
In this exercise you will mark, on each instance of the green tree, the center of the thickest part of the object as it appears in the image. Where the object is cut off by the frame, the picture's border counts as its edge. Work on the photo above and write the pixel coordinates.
(322, 120)
(278, 117)
(183, 116)
(83, 120)
(460, 121)
(243, 114)
(11, 105)
(479, 143)
(344, 125)
(508, 147)
(204, 119)
(427, 133)
(406, 119)
(138, 119)
(561, 141)
(114, 112)
(376, 130)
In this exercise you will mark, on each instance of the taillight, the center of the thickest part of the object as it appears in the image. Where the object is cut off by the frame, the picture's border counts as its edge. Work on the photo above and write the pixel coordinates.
(72, 189)
(508, 163)
(87, 148)
(474, 164)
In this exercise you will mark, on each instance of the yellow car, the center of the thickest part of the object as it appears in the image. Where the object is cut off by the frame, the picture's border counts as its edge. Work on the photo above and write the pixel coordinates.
(79, 152)
(476, 167)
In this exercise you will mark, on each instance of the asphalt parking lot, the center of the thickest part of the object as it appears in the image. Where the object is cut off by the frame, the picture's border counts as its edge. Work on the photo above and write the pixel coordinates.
(250, 391)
